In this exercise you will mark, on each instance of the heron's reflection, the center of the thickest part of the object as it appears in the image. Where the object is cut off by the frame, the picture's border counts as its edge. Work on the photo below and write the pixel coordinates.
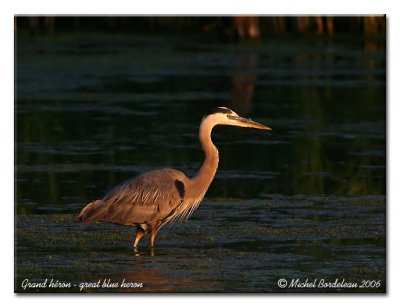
(148, 273)
(138, 253)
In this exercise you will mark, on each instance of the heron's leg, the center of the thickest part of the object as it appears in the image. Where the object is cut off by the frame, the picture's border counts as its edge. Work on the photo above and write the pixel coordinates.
(152, 238)
(139, 235)
(154, 230)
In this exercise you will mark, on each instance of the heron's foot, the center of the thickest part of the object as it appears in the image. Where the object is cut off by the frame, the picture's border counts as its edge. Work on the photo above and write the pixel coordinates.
(136, 251)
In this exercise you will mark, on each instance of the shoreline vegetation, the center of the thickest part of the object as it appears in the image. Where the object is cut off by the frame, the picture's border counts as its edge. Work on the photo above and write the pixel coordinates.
(225, 28)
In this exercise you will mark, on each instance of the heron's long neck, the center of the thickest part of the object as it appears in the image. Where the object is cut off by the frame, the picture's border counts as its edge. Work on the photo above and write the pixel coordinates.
(206, 174)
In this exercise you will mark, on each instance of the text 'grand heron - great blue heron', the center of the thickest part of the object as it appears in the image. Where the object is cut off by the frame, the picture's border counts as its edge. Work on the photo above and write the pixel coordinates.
(155, 198)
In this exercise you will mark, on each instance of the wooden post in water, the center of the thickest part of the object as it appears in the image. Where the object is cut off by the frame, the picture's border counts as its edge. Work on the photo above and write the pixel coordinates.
(246, 27)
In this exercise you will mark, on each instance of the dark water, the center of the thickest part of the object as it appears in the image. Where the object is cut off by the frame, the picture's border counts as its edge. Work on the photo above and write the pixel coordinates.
(305, 201)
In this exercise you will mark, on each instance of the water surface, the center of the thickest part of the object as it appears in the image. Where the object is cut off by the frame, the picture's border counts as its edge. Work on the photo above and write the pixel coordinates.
(306, 200)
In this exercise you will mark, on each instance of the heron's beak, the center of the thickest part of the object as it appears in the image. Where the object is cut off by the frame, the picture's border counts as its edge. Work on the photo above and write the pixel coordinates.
(244, 122)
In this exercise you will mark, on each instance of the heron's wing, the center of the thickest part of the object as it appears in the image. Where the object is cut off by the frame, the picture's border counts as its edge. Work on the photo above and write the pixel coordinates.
(149, 197)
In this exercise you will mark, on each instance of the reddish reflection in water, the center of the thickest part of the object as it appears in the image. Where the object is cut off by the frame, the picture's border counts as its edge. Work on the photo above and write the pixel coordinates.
(243, 81)
(149, 275)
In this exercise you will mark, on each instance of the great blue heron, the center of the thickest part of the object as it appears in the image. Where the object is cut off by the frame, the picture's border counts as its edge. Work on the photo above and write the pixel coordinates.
(153, 199)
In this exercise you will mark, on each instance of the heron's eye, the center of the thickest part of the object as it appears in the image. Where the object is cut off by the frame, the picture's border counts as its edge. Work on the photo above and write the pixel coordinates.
(231, 116)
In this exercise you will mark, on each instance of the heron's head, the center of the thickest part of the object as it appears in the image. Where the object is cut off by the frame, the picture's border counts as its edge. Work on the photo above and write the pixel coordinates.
(225, 116)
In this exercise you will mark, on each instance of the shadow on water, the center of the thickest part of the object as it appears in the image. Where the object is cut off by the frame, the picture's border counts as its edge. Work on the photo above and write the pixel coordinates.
(304, 201)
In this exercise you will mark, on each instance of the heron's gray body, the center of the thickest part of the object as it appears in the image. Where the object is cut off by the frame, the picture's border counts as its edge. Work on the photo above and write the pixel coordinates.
(155, 197)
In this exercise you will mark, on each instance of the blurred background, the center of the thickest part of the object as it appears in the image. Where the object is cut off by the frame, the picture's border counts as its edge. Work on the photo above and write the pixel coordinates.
(99, 99)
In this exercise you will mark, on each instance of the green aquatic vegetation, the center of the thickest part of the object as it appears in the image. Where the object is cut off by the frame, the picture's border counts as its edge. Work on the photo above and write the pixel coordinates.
(230, 252)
